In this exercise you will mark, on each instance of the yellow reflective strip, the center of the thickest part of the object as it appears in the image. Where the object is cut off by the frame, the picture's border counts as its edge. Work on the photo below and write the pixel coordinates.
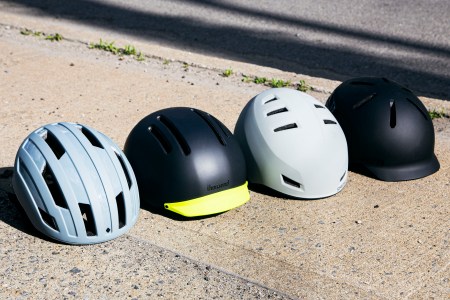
(211, 204)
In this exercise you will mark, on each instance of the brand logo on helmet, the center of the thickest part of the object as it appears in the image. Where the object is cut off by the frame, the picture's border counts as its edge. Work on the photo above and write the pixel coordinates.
(212, 187)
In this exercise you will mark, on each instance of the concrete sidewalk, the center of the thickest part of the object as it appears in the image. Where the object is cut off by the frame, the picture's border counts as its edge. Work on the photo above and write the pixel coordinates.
(372, 240)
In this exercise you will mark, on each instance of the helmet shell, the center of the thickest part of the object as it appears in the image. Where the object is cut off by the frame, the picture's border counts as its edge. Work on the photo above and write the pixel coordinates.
(75, 184)
(292, 144)
(388, 129)
(187, 161)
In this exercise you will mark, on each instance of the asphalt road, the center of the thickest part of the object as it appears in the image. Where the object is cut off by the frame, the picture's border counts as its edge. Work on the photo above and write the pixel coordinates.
(407, 40)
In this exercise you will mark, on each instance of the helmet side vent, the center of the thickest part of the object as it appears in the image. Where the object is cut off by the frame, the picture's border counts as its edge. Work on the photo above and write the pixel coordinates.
(124, 168)
(54, 144)
(221, 126)
(48, 219)
(88, 219)
(159, 136)
(393, 114)
(53, 187)
(326, 121)
(364, 101)
(277, 111)
(424, 114)
(271, 98)
(91, 137)
(318, 106)
(208, 120)
(121, 212)
(176, 133)
(343, 175)
(286, 127)
(290, 182)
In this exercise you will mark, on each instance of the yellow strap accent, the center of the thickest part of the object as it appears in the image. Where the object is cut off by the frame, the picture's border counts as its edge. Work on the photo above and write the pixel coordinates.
(211, 204)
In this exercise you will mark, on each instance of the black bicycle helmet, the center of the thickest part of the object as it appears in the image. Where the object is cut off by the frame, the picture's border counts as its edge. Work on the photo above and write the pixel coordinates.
(388, 129)
(187, 162)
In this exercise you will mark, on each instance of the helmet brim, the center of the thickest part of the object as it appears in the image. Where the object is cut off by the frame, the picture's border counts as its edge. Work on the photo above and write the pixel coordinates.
(211, 204)
(405, 172)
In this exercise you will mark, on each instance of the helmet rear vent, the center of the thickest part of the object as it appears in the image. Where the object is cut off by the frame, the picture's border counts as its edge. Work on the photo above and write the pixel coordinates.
(326, 121)
(48, 219)
(209, 120)
(271, 98)
(277, 111)
(121, 212)
(364, 101)
(124, 168)
(88, 219)
(159, 136)
(91, 137)
(424, 114)
(53, 187)
(176, 133)
(54, 144)
(291, 182)
(393, 114)
(318, 106)
(286, 127)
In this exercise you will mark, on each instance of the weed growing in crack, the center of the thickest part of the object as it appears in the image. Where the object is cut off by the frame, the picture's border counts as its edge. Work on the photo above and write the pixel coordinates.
(128, 50)
(435, 114)
(227, 73)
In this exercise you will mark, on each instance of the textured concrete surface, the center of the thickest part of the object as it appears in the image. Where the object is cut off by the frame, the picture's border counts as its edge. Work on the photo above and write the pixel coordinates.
(374, 240)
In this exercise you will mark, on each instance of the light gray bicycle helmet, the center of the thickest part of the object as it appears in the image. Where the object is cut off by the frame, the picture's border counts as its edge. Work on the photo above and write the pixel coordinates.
(75, 184)
(292, 144)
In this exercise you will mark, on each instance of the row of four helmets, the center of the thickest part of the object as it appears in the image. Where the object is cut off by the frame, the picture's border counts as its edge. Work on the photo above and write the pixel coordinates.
(78, 187)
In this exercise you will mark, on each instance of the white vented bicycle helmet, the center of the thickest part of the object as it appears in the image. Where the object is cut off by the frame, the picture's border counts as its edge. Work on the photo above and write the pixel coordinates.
(293, 144)
(75, 184)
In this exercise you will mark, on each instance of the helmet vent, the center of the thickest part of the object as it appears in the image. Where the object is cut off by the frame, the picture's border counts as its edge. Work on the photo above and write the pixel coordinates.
(424, 114)
(91, 137)
(291, 182)
(88, 219)
(329, 121)
(364, 101)
(393, 115)
(271, 98)
(176, 133)
(318, 106)
(286, 127)
(55, 145)
(48, 219)
(163, 142)
(343, 175)
(121, 212)
(277, 111)
(124, 168)
(53, 187)
(220, 125)
(209, 121)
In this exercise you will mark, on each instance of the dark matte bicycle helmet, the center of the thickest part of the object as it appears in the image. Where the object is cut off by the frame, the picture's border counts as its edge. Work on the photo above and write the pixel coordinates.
(292, 144)
(388, 129)
(75, 184)
(187, 162)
